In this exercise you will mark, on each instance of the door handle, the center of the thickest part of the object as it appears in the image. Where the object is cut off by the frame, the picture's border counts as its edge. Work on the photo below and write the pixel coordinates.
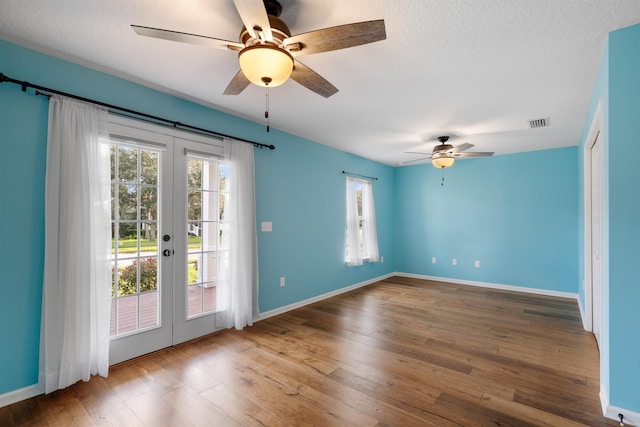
(167, 252)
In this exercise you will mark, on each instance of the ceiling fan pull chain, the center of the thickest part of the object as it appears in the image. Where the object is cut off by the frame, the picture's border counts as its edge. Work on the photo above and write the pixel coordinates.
(442, 182)
(266, 111)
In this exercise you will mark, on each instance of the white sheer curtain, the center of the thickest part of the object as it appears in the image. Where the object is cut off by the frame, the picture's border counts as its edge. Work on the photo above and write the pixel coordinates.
(239, 270)
(353, 249)
(369, 233)
(77, 281)
(362, 244)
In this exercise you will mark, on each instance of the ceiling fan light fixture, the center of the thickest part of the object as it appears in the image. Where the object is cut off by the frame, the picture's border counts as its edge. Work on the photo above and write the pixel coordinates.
(266, 65)
(443, 161)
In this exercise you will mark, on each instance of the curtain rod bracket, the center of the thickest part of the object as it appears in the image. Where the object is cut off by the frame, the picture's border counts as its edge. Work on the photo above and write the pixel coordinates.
(43, 94)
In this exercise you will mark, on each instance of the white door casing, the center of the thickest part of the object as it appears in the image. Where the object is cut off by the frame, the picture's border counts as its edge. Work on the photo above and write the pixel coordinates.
(593, 160)
(596, 237)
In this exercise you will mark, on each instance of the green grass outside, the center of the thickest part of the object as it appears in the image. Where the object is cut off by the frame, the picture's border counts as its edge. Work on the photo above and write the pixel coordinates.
(131, 245)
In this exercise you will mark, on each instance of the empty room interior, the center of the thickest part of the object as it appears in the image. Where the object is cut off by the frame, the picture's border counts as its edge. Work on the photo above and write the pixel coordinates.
(248, 212)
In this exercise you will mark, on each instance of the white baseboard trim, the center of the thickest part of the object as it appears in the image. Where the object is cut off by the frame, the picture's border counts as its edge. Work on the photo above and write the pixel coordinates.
(582, 314)
(308, 301)
(20, 394)
(604, 399)
(537, 291)
(630, 418)
(612, 412)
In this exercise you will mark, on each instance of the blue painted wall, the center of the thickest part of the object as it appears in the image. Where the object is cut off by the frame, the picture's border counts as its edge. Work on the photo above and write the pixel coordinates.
(617, 90)
(299, 186)
(23, 134)
(301, 190)
(624, 212)
(517, 214)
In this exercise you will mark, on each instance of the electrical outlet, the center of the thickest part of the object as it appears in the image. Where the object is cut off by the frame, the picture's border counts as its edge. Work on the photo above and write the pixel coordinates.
(381, 259)
(282, 282)
(477, 264)
(455, 262)
(433, 260)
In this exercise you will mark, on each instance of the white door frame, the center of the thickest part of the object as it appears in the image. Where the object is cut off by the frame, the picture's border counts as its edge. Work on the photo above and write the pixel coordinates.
(594, 131)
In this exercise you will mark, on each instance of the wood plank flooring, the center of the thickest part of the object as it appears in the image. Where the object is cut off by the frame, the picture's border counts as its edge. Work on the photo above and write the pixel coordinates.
(401, 352)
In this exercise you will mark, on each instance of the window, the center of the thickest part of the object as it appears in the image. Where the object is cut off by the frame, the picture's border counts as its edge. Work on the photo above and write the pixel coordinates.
(362, 239)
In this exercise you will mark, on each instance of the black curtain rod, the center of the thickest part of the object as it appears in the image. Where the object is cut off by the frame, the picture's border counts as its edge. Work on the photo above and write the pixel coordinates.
(133, 114)
(361, 176)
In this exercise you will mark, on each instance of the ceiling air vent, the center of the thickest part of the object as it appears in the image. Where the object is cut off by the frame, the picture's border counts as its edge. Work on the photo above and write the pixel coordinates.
(539, 123)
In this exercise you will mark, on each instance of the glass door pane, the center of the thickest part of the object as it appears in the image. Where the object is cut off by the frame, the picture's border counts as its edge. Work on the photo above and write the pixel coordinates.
(141, 276)
(202, 179)
(203, 234)
(136, 282)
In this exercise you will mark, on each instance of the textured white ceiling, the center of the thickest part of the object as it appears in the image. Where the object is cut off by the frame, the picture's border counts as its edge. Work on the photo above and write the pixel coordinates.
(476, 69)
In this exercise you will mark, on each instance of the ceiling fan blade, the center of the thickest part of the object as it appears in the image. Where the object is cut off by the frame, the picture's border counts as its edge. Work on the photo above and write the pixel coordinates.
(478, 154)
(312, 80)
(416, 160)
(237, 84)
(417, 152)
(461, 147)
(254, 15)
(177, 36)
(340, 37)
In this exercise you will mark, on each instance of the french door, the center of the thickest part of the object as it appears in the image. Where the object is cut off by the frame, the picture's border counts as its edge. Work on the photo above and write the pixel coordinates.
(200, 236)
(168, 194)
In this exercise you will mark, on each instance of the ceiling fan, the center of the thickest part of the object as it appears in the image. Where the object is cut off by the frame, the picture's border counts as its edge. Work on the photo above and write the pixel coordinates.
(267, 51)
(444, 155)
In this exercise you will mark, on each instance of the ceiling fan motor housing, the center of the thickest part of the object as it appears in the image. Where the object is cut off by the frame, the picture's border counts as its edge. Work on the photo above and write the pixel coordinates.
(442, 149)
(273, 7)
(279, 30)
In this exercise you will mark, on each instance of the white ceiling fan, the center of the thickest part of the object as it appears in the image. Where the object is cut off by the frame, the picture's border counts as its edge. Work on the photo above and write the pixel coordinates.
(267, 52)
(444, 155)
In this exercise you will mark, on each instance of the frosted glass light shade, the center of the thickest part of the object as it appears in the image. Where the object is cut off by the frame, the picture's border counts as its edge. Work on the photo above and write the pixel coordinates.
(442, 162)
(266, 65)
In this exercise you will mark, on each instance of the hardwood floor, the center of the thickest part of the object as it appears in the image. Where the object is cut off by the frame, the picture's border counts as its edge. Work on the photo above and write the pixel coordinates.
(401, 352)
